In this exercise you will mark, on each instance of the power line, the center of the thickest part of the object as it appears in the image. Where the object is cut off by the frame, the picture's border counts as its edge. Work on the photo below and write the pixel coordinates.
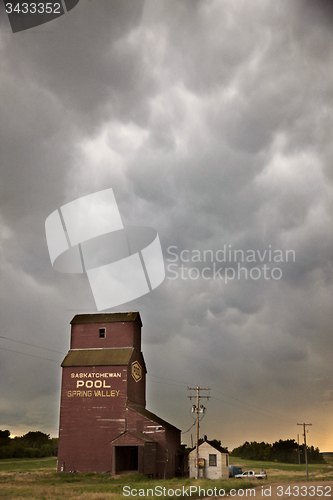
(26, 354)
(180, 384)
(276, 415)
(31, 345)
(184, 384)
(166, 383)
(188, 430)
(260, 412)
(226, 395)
(321, 431)
(198, 409)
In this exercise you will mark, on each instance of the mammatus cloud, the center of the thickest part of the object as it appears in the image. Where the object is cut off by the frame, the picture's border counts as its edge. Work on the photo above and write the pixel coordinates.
(212, 123)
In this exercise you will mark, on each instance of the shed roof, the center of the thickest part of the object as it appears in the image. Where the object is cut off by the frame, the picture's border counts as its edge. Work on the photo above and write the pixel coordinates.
(105, 318)
(217, 447)
(153, 417)
(213, 445)
(139, 435)
(98, 357)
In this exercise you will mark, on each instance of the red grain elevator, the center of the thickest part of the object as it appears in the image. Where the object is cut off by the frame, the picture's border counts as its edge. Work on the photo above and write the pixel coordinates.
(104, 423)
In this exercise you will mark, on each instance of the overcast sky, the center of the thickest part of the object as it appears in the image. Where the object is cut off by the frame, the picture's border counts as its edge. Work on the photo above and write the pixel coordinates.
(212, 122)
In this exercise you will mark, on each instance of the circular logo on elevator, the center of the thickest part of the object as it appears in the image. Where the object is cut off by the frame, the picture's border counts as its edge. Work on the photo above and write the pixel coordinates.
(136, 371)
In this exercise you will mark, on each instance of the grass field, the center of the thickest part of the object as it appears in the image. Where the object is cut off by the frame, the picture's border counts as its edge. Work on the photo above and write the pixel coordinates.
(36, 479)
(279, 471)
(28, 464)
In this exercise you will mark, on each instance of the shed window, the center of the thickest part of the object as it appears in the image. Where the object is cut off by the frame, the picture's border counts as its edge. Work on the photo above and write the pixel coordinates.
(102, 333)
(212, 460)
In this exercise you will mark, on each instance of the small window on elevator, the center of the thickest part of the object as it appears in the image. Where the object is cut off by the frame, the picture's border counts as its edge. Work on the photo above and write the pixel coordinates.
(102, 333)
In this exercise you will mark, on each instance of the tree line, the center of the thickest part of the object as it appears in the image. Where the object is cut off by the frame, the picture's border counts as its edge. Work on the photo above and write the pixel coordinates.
(31, 445)
(286, 451)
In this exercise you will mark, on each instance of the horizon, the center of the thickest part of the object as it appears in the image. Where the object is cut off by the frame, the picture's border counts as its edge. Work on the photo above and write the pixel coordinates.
(211, 124)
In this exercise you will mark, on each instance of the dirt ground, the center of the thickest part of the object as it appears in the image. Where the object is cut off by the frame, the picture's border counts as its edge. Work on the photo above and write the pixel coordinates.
(285, 490)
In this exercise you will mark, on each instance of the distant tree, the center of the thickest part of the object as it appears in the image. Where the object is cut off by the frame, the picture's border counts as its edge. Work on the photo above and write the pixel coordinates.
(216, 442)
(285, 451)
(253, 451)
(35, 439)
(4, 438)
(314, 456)
(18, 450)
(34, 444)
(55, 442)
(280, 451)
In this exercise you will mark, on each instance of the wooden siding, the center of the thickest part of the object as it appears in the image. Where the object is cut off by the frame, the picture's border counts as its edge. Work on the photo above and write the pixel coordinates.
(90, 417)
(218, 471)
(119, 334)
(96, 398)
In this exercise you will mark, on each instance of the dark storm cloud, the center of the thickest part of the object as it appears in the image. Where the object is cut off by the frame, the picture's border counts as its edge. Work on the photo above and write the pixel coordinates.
(320, 12)
(212, 123)
(69, 81)
(52, 91)
(56, 87)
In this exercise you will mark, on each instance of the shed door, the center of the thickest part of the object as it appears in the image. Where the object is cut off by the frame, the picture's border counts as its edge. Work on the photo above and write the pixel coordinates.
(126, 458)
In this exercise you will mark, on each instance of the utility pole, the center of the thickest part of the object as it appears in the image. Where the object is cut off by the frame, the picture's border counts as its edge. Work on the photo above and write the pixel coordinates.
(198, 410)
(298, 453)
(305, 451)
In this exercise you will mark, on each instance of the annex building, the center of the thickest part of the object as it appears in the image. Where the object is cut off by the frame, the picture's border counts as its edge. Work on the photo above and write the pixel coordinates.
(213, 461)
(104, 423)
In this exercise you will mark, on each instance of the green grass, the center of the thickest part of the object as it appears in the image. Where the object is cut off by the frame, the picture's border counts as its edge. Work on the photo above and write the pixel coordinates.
(36, 479)
(276, 470)
(28, 464)
(50, 485)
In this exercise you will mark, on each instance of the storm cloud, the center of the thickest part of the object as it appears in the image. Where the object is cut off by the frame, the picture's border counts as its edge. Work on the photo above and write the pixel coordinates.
(212, 122)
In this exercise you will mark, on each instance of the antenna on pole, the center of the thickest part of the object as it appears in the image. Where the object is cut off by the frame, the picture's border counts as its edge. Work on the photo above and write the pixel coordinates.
(298, 453)
(198, 410)
(305, 450)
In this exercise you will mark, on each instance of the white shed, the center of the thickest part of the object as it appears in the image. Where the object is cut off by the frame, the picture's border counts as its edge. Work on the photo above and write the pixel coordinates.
(213, 461)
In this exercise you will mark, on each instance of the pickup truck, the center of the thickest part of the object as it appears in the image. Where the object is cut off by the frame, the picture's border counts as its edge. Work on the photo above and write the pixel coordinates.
(234, 469)
(250, 474)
